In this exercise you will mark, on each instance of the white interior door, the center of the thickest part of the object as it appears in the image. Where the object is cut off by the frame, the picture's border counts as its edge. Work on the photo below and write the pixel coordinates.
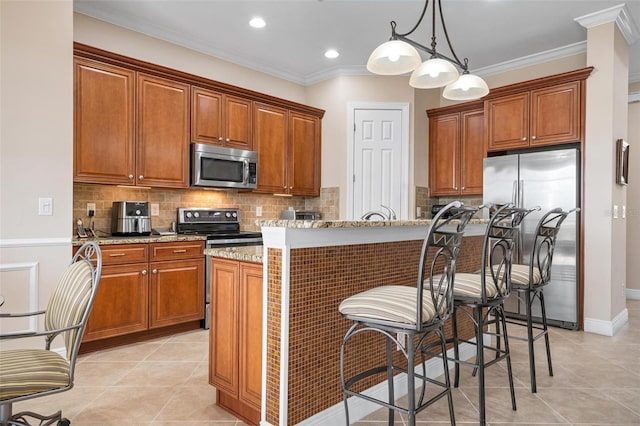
(380, 174)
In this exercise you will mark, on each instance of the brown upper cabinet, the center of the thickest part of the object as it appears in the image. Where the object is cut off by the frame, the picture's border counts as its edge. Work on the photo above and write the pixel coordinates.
(456, 150)
(288, 145)
(545, 116)
(120, 138)
(220, 119)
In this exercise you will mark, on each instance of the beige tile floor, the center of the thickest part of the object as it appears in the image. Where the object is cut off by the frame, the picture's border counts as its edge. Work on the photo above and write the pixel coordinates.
(164, 382)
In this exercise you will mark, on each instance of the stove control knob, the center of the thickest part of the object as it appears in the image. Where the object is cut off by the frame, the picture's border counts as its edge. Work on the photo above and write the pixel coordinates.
(138, 212)
(234, 214)
(188, 214)
(196, 214)
(227, 215)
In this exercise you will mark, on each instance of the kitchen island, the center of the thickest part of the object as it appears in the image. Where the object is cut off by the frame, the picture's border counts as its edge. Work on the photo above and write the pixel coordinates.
(309, 268)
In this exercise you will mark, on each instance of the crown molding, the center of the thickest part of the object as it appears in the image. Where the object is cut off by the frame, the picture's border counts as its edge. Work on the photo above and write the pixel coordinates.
(618, 14)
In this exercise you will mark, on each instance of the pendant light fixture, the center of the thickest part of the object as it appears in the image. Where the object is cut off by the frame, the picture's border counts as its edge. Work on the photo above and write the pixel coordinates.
(399, 55)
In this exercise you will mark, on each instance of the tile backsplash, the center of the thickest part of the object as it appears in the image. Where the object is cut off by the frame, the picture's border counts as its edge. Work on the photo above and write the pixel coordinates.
(169, 200)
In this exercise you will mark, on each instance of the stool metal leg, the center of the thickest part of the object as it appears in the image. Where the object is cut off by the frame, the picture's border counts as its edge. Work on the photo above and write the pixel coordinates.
(508, 355)
(480, 363)
(411, 381)
(456, 352)
(447, 380)
(546, 332)
(532, 356)
(392, 399)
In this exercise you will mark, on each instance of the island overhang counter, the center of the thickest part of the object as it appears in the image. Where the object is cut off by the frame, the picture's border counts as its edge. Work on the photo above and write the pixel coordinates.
(309, 268)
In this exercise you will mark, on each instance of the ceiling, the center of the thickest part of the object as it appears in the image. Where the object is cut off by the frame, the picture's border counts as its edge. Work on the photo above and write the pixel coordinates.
(495, 35)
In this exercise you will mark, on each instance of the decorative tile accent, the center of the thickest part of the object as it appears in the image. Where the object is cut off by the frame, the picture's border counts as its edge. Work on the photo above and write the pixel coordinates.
(274, 312)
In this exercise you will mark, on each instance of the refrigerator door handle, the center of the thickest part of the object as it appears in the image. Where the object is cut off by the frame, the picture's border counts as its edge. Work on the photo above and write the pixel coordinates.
(514, 193)
(521, 194)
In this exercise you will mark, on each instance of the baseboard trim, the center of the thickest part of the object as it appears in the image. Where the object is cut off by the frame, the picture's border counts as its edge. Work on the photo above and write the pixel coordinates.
(606, 328)
(633, 294)
(34, 242)
(360, 408)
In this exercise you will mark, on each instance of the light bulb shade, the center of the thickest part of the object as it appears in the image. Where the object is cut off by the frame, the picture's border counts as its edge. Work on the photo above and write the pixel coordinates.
(393, 57)
(466, 88)
(432, 73)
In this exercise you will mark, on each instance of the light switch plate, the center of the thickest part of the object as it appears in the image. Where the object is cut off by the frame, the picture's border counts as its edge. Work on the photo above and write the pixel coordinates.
(615, 211)
(624, 212)
(155, 209)
(259, 211)
(45, 206)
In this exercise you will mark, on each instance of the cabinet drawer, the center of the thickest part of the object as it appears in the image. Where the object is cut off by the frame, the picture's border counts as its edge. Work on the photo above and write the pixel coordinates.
(176, 251)
(120, 254)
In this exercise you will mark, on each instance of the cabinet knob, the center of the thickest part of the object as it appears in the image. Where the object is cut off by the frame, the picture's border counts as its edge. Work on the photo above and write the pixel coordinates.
(534, 137)
(524, 138)
(144, 272)
(463, 188)
(291, 187)
(140, 177)
(227, 139)
(284, 187)
(131, 177)
(155, 271)
(455, 187)
(220, 138)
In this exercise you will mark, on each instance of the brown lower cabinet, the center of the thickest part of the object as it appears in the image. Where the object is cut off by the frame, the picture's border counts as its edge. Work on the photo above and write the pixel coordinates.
(235, 352)
(147, 286)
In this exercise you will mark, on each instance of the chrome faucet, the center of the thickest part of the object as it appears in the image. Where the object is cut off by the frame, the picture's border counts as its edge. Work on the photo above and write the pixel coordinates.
(391, 214)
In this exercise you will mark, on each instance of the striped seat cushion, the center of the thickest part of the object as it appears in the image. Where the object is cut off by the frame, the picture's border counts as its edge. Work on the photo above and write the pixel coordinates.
(470, 285)
(394, 303)
(29, 371)
(520, 275)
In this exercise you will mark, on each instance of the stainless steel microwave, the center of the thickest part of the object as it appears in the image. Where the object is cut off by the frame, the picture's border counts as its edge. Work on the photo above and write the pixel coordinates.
(221, 167)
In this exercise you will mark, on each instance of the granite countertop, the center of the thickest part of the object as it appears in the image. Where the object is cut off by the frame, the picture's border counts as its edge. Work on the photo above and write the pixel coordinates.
(245, 254)
(139, 240)
(323, 224)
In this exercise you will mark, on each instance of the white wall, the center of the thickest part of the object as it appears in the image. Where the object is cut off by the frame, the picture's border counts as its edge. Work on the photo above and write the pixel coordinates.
(633, 199)
(36, 149)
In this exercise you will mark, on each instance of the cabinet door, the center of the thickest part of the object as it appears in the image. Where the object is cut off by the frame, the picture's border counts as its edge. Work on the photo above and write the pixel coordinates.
(103, 145)
(206, 116)
(237, 117)
(444, 154)
(121, 304)
(507, 120)
(250, 349)
(303, 155)
(177, 292)
(163, 133)
(223, 332)
(472, 152)
(269, 139)
(555, 114)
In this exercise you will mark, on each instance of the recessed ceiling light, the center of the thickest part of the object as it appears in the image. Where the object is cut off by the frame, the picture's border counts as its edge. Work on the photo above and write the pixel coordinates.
(257, 23)
(331, 54)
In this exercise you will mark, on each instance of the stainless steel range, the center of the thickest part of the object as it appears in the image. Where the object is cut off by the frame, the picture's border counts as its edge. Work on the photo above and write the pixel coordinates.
(222, 228)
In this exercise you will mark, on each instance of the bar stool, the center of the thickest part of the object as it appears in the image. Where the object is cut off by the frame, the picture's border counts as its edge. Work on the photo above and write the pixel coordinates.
(414, 312)
(528, 281)
(484, 294)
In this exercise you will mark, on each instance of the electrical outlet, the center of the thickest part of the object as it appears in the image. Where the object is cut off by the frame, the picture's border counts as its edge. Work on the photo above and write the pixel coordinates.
(418, 212)
(155, 209)
(90, 207)
(259, 211)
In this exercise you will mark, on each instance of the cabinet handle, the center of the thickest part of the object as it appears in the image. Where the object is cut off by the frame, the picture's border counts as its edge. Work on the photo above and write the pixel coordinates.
(131, 177)
(524, 138)
(180, 251)
(140, 177)
(155, 271)
(144, 272)
(533, 138)
(117, 254)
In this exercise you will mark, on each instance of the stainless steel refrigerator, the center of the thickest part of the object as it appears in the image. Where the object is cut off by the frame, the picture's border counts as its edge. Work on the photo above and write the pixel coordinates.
(547, 179)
